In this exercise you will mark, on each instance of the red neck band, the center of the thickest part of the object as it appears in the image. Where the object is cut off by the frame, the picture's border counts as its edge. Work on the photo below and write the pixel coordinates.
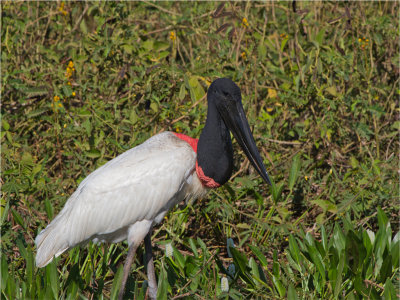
(205, 180)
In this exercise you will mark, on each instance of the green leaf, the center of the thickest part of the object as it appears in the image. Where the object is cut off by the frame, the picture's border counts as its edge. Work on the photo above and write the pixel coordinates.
(389, 290)
(259, 255)
(193, 246)
(241, 261)
(382, 219)
(160, 46)
(6, 126)
(133, 117)
(162, 285)
(339, 271)
(276, 191)
(4, 272)
(154, 107)
(17, 218)
(37, 112)
(291, 293)
(116, 283)
(339, 239)
(320, 36)
(279, 286)
(52, 278)
(386, 268)
(182, 92)
(294, 249)
(317, 260)
(254, 270)
(67, 91)
(83, 27)
(179, 258)
(283, 44)
(93, 153)
(294, 171)
(196, 90)
(324, 238)
(262, 50)
(49, 208)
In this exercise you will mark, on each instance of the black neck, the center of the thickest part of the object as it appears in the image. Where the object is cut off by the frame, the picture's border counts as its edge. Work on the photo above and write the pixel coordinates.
(214, 150)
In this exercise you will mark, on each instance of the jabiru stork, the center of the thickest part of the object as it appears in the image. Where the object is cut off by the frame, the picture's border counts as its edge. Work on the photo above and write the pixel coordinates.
(127, 196)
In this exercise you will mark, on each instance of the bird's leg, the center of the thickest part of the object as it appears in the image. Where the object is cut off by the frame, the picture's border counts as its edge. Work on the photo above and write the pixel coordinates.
(151, 276)
(127, 267)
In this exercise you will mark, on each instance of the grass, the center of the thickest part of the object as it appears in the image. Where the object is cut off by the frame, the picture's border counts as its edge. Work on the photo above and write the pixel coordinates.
(83, 82)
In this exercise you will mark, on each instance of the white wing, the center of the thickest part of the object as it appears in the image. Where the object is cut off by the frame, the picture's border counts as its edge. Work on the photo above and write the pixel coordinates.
(140, 184)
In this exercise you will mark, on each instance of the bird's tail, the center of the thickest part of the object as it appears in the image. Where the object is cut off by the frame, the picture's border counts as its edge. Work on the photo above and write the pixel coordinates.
(50, 243)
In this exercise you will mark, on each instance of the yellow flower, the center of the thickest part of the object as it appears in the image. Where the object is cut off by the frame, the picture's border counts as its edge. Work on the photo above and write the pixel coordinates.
(245, 23)
(62, 10)
(272, 93)
(359, 40)
(269, 109)
(306, 177)
(73, 94)
(59, 104)
(69, 82)
(71, 64)
(278, 104)
(65, 125)
(56, 98)
(330, 171)
(172, 36)
(243, 55)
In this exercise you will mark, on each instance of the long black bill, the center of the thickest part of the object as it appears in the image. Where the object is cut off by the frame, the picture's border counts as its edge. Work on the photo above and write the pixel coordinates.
(235, 118)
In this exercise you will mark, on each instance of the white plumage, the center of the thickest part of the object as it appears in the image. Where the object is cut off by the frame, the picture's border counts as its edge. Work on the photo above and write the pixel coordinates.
(124, 198)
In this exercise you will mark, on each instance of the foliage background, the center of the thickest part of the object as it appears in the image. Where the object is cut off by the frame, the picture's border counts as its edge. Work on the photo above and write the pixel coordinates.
(84, 81)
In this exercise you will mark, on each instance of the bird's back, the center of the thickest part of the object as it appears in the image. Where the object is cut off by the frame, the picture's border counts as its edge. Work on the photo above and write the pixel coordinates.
(141, 184)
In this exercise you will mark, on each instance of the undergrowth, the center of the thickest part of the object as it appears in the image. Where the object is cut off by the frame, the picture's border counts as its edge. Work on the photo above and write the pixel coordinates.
(84, 81)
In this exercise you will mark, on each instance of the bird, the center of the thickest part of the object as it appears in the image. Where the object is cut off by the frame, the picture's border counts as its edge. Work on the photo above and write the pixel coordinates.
(126, 197)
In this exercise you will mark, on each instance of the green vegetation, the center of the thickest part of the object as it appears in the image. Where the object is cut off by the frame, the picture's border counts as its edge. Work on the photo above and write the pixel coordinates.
(83, 82)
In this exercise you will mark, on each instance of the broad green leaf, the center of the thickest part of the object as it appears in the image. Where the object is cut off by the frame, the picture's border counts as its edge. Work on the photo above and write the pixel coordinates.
(294, 171)
(193, 246)
(49, 208)
(294, 249)
(162, 285)
(279, 286)
(338, 238)
(179, 258)
(382, 219)
(338, 281)
(259, 255)
(116, 283)
(389, 290)
(6, 126)
(196, 90)
(182, 92)
(291, 293)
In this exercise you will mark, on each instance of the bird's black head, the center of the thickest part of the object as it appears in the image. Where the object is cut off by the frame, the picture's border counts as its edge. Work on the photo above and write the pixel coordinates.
(225, 95)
